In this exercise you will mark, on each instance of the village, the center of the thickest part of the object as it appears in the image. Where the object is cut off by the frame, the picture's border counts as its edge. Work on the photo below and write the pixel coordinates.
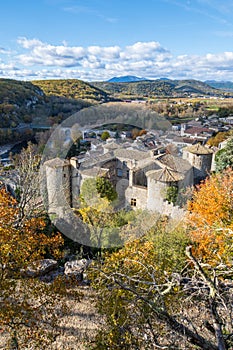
(152, 171)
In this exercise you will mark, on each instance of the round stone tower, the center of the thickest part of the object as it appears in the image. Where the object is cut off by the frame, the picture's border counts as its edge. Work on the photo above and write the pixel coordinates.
(158, 181)
(200, 157)
(58, 183)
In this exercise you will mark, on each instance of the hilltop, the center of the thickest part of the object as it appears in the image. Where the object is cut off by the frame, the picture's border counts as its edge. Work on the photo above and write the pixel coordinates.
(44, 101)
(159, 87)
(125, 79)
(72, 89)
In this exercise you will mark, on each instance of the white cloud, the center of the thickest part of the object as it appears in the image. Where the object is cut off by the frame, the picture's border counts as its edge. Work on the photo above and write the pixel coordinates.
(144, 59)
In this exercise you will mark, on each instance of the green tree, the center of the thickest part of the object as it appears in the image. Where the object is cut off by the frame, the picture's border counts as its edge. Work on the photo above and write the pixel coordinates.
(171, 194)
(105, 135)
(224, 157)
(106, 189)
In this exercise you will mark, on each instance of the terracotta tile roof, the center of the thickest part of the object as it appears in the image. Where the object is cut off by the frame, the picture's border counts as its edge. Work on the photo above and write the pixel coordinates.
(97, 160)
(196, 130)
(94, 171)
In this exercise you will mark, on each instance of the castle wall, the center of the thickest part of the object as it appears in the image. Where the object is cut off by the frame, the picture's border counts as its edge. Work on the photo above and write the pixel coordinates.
(136, 193)
(173, 211)
(75, 182)
(121, 188)
(201, 164)
(156, 193)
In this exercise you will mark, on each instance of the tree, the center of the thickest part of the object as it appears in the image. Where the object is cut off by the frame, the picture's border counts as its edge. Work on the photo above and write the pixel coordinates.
(171, 194)
(106, 189)
(220, 137)
(210, 219)
(156, 295)
(224, 157)
(105, 135)
(27, 306)
(98, 213)
(27, 181)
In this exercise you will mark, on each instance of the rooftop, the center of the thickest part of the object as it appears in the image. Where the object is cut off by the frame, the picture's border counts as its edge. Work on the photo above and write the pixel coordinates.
(131, 154)
(198, 149)
(173, 162)
(56, 163)
(165, 175)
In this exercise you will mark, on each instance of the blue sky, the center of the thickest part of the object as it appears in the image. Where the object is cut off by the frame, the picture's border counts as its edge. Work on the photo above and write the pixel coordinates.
(99, 39)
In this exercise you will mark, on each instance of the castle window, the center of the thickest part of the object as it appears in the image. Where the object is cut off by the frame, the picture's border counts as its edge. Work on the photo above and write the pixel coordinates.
(64, 175)
(133, 202)
(119, 173)
(127, 174)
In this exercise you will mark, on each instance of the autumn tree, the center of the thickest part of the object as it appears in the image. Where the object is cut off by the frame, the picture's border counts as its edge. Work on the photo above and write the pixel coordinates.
(210, 218)
(220, 137)
(155, 294)
(26, 178)
(27, 316)
(98, 213)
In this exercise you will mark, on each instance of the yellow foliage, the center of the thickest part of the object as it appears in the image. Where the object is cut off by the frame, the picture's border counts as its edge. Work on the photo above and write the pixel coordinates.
(211, 218)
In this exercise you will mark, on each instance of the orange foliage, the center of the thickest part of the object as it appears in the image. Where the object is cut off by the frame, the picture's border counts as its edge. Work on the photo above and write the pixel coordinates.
(21, 244)
(211, 217)
(25, 303)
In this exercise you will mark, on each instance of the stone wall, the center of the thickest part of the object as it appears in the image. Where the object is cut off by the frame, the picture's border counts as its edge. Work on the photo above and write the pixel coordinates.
(201, 164)
(139, 194)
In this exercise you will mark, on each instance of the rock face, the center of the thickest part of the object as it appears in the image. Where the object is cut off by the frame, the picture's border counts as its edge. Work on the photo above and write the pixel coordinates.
(40, 268)
(76, 268)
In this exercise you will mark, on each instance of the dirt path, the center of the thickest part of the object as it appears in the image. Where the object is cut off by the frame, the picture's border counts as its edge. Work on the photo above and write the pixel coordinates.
(79, 327)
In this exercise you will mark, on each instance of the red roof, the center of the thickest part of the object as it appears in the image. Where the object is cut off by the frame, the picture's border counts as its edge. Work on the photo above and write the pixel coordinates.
(197, 130)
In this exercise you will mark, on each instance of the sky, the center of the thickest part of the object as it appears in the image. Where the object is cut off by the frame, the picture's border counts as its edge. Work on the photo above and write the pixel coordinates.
(95, 40)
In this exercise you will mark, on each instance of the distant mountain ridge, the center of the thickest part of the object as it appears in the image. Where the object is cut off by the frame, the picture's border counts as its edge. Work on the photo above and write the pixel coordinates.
(161, 87)
(223, 85)
(125, 79)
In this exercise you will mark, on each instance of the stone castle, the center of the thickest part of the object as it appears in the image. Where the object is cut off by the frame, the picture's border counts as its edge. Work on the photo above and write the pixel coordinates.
(141, 177)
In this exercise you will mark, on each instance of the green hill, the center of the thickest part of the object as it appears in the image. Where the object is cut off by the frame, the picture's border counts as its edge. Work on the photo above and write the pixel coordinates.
(160, 87)
(72, 89)
(44, 102)
(18, 102)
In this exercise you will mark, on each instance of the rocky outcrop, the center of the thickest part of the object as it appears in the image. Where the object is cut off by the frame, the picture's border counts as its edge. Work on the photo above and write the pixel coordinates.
(76, 268)
(40, 268)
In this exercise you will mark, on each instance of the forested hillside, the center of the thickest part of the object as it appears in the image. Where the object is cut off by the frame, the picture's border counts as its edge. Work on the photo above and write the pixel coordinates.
(160, 87)
(72, 89)
(44, 102)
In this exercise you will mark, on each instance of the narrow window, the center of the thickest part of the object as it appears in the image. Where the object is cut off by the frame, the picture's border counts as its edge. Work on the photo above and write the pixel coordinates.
(133, 202)
(119, 173)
